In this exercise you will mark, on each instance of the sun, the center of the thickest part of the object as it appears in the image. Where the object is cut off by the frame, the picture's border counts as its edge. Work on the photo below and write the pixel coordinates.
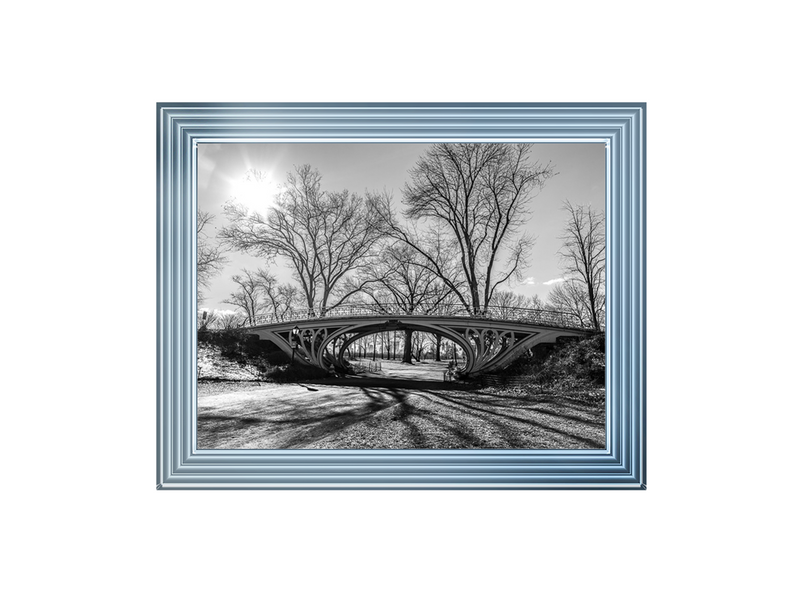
(255, 189)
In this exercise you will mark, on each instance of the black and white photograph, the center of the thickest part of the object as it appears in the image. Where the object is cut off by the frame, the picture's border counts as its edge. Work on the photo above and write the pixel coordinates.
(401, 295)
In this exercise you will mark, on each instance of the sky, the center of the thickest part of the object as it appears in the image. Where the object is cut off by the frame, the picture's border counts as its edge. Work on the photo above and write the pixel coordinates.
(361, 167)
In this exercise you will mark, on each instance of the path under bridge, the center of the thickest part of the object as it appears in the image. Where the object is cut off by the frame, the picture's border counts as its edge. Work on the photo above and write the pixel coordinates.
(489, 340)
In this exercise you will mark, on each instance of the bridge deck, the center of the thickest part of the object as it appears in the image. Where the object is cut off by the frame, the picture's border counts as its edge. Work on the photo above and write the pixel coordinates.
(495, 314)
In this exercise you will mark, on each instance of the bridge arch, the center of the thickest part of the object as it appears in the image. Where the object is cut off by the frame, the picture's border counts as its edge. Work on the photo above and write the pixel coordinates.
(381, 327)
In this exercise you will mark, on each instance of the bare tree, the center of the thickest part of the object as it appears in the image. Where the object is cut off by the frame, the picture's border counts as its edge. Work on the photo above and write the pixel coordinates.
(402, 282)
(584, 256)
(506, 303)
(209, 257)
(229, 319)
(206, 319)
(480, 194)
(323, 236)
(570, 298)
(280, 299)
(248, 295)
(404, 285)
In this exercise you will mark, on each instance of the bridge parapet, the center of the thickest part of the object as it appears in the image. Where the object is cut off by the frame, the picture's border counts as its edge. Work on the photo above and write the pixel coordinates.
(512, 314)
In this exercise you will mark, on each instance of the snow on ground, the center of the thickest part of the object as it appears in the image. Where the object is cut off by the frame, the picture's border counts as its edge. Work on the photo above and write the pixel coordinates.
(211, 365)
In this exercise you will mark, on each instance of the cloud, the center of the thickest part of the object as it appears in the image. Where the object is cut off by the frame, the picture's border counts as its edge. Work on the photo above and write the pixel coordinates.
(529, 281)
(555, 281)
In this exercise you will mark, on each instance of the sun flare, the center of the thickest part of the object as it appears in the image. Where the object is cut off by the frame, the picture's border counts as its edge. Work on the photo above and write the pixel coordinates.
(256, 190)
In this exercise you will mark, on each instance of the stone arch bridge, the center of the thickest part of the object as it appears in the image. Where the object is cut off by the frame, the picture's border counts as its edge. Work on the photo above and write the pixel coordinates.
(489, 341)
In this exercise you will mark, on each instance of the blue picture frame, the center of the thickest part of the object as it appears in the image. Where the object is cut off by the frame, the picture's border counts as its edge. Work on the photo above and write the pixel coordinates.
(180, 465)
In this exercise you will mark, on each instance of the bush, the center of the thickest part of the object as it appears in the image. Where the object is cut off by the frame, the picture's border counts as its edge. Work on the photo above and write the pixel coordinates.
(574, 364)
(244, 348)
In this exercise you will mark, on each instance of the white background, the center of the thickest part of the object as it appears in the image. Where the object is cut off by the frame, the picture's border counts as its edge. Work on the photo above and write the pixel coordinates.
(720, 519)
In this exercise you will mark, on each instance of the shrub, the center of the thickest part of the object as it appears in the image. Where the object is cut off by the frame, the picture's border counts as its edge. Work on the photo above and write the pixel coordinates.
(574, 364)
(244, 348)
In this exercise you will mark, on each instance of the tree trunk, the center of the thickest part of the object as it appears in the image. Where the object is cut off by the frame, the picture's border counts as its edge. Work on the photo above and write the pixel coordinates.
(438, 348)
(406, 353)
(593, 305)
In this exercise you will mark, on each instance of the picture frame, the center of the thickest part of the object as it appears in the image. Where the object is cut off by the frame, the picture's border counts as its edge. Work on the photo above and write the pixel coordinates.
(182, 126)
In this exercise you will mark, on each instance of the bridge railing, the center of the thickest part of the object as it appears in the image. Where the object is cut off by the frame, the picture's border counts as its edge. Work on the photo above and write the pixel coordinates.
(525, 315)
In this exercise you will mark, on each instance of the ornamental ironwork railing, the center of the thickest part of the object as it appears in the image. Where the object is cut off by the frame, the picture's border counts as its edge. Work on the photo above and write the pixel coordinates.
(524, 315)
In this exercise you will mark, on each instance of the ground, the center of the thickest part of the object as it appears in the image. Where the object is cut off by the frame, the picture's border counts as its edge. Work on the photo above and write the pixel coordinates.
(395, 410)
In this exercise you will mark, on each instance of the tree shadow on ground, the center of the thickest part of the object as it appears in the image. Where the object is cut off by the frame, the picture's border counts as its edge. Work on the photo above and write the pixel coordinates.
(286, 424)
(401, 418)
(451, 420)
(541, 419)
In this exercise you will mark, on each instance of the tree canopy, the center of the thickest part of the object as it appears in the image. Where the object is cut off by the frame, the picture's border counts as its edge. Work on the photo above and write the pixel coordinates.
(323, 236)
(472, 200)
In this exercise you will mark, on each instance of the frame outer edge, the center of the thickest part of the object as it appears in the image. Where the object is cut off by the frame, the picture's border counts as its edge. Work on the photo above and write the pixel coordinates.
(180, 466)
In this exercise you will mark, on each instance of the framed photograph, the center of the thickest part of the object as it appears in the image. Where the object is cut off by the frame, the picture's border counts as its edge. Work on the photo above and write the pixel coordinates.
(400, 296)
